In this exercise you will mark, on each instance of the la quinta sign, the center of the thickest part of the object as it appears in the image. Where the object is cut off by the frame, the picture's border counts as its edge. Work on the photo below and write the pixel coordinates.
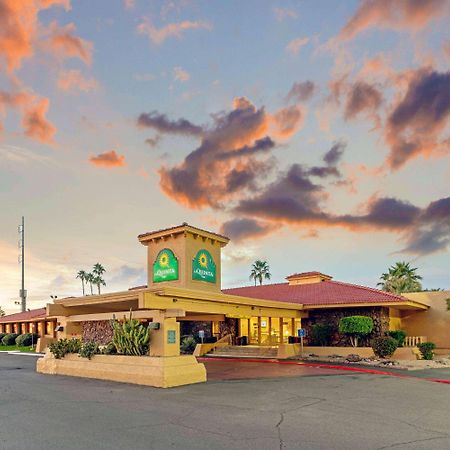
(203, 267)
(165, 267)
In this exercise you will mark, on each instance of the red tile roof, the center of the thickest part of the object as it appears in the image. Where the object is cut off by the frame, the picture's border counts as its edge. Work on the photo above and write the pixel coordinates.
(323, 293)
(27, 315)
(183, 225)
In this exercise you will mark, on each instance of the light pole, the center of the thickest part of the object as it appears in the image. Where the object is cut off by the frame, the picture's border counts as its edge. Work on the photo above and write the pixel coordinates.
(23, 292)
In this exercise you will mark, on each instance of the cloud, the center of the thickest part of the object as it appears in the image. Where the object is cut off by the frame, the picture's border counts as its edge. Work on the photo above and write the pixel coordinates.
(417, 119)
(284, 13)
(33, 110)
(154, 141)
(64, 44)
(362, 97)
(295, 45)
(71, 80)
(162, 124)
(180, 74)
(397, 15)
(159, 35)
(35, 123)
(108, 160)
(301, 92)
(287, 121)
(240, 229)
(333, 156)
(129, 4)
(18, 28)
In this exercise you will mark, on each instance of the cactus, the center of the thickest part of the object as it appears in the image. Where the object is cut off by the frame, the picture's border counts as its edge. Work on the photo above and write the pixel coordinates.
(130, 337)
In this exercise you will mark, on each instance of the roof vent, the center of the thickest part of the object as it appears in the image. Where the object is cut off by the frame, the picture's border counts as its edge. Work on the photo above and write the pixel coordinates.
(307, 278)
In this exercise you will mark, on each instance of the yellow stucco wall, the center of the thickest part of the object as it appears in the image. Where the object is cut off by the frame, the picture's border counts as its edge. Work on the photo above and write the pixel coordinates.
(433, 323)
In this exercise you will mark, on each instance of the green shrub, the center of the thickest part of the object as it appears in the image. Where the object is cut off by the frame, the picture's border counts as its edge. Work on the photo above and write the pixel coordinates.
(108, 349)
(62, 347)
(384, 346)
(188, 344)
(426, 349)
(9, 339)
(89, 349)
(399, 336)
(321, 334)
(2, 335)
(26, 340)
(131, 337)
(356, 327)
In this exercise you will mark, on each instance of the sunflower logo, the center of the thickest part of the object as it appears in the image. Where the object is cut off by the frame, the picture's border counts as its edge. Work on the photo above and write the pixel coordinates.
(203, 260)
(164, 260)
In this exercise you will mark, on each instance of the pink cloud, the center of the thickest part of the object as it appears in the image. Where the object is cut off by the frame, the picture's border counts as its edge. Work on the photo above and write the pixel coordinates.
(159, 35)
(35, 123)
(72, 80)
(398, 14)
(296, 44)
(109, 160)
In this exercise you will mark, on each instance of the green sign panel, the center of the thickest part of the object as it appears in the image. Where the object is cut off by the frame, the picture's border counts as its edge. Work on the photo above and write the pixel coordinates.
(203, 267)
(165, 268)
(171, 337)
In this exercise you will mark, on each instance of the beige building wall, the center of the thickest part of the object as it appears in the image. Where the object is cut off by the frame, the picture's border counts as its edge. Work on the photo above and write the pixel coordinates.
(433, 323)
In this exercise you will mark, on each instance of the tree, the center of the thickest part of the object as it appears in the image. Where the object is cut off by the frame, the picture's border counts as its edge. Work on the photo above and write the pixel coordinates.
(90, 279)
(260, 271)
(356, 327)
(401, 277)
(97, 271)
(82, 275)
(2, 313)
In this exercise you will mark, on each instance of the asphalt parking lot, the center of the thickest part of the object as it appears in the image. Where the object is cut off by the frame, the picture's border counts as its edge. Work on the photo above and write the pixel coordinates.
(319, 411)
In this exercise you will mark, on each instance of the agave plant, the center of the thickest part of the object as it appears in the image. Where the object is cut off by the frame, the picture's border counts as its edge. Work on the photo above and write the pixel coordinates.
(130, 337)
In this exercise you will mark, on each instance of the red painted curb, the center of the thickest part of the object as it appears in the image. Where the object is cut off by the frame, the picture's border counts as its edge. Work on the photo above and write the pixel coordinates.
(327, 366)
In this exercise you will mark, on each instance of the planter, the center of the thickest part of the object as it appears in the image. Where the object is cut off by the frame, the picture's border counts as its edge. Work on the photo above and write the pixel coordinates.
(144, 370)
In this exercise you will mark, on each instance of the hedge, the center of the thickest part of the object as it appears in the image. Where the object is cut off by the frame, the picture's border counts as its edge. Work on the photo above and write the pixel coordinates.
(27, 339)
(10, 339)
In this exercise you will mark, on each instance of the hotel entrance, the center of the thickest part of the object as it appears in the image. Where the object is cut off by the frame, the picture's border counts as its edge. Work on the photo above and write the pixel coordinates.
(268, 330)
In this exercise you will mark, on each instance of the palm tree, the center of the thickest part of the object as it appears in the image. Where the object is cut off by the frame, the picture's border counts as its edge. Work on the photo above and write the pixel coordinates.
(401, 277)
(90, 280)
(2, 313)
(98, 270)
(82, 276)
(260, 271)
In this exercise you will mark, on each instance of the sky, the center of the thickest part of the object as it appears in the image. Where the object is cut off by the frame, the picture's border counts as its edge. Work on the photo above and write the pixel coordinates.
(315, 134)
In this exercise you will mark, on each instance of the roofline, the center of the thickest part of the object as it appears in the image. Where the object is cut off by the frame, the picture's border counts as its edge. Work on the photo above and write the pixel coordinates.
(408, 303)
(184, 227)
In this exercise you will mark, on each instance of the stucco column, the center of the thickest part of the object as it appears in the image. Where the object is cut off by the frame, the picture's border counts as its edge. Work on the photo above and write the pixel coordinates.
(166, 340)
(281, 331)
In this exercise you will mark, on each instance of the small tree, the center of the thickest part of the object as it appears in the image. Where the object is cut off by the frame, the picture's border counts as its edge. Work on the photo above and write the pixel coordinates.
(356, 327)
(2, 313)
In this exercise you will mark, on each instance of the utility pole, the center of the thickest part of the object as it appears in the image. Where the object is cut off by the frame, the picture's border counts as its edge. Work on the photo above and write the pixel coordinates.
(23, 292)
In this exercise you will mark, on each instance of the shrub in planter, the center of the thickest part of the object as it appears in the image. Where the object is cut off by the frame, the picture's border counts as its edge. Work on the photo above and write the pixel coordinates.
(399, 336)
(321, 334)
(188, 344)
(108, 349)
(384, 346)
(131, 337)
(9, 339)
(89, 349)
(426, 349)
(61, 347)
(356, 327)
(26, 340)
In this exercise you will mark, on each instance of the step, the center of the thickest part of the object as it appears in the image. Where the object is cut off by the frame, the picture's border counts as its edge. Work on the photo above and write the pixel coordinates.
(245, 352)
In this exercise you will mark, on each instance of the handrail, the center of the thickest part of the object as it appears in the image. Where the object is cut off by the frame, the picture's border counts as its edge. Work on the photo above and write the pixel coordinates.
(414, 341)
(202, 349)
